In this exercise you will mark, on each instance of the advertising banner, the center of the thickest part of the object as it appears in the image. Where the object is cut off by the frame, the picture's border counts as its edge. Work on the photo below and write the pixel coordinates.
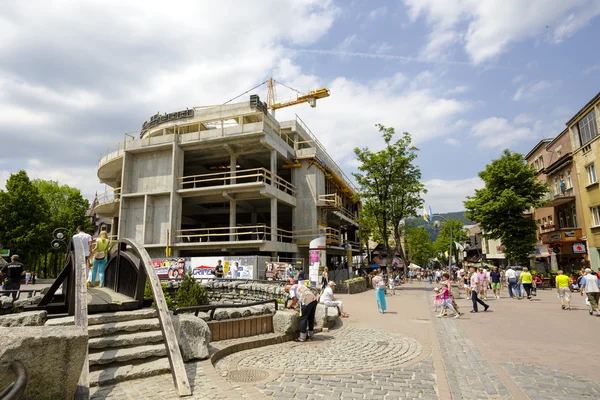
(279, 271)
(233, 267)
(171, 267)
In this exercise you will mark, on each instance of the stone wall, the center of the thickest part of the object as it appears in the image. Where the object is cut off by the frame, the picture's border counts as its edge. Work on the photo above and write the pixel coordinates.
(238, 292)
(356, 286)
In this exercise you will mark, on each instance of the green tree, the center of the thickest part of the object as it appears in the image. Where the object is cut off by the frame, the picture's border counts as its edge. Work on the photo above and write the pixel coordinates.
(190, 292)
(459, 235)
(420, 246)
(390, 188)
(511, 189)
(67, 208)
(23, 218)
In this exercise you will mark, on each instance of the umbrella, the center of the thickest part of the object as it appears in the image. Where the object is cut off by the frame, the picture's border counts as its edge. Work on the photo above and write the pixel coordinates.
(414, 266)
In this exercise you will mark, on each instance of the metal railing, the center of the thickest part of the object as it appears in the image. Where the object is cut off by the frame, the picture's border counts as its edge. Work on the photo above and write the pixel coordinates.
(16, 389)
(330, 163)
(109, 196)
(335, 200)
(234, 177)
(211, 308)
(253, 233)
(115, 150)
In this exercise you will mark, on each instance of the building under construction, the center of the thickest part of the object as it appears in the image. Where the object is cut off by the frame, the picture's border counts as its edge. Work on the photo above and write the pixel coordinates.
(227, 180)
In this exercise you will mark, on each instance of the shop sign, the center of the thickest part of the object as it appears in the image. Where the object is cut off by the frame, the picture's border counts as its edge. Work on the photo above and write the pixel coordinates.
(579, 248)
(555, 236)
(500, 249)
(569, 236)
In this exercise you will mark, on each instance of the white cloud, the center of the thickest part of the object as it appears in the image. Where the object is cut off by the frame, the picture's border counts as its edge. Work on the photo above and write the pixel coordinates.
(460, 89)
(452, 141)
(518, 79)
(529, 92)
(377, 13)
(491, 26)
(497, 132)
(523, 119)
(591, 69)
(381, 48)
(449, 195)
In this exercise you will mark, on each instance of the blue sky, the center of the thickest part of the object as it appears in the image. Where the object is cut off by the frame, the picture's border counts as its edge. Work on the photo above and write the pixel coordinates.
(466, 78)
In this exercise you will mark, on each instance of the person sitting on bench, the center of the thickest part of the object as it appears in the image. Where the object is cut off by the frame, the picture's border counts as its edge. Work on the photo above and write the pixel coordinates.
(329, 300)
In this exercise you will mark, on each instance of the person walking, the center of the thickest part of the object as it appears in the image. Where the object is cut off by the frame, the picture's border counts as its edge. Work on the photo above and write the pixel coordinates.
(527, 281)
(475, 287)
(444, 293)
(483, 283)
(12, 273)
(324, 278)
(86, 239)
(100, 259)
(591, 290)
(563, 287)
(495, 281)
(511, 277)
(379, 285)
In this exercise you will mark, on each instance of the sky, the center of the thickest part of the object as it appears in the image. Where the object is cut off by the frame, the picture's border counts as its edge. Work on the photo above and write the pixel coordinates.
(466, 78)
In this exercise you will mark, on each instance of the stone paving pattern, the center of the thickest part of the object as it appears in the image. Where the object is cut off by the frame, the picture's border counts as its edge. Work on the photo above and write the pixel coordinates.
(469, 374)
(546, 384)
(412, 382)
(161, 387)
(343, 350)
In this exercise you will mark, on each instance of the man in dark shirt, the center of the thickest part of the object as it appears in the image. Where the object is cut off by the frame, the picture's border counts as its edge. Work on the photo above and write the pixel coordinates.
(12, 273)
(495, 278)
(219, 270)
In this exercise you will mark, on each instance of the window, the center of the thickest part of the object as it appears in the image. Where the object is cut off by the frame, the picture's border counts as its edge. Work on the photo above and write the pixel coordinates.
(588, 129)
(561, 220)
(556, 186)
(537, 165)
(559, 152)
(550, 222)
(541, 162)
(591, 174)
(569, 180)
(574, 212)
(595, 215)
(568, 220)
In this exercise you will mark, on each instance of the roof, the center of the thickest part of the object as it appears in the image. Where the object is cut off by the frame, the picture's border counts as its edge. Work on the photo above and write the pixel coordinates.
(537, 146)
(583, 110)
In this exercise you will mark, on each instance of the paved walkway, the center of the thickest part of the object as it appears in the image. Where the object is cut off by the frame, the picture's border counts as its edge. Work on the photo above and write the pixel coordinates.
(517, 350)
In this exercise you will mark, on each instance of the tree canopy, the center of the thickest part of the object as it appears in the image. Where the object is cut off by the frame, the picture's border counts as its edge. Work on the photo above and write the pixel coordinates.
(390, 188)
(511, 189)
(459, 235)
(419, 245)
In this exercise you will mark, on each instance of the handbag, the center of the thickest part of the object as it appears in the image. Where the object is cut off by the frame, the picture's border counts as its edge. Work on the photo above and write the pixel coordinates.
(99, 255)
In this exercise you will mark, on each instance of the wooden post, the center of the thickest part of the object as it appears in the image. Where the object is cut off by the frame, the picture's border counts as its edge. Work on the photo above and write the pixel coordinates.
(82, 392)
(180, 378)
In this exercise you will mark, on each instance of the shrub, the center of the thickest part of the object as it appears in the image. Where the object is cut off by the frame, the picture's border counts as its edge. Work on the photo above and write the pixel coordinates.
(171, 305)
(190, 293)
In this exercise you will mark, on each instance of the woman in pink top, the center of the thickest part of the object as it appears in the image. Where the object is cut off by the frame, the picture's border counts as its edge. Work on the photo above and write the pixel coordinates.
(447, 302)
(483, 283)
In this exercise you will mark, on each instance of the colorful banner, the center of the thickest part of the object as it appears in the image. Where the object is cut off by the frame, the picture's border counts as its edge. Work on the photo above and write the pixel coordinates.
(279, 271)
(233, 267)
(171, 267)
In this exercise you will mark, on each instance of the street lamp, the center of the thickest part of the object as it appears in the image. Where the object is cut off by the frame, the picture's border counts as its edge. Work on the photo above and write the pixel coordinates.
(437, 226)
(61, 238)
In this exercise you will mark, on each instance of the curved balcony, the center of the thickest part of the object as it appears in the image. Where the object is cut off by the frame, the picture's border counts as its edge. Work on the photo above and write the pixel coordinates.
(108, 203)
(110, 162)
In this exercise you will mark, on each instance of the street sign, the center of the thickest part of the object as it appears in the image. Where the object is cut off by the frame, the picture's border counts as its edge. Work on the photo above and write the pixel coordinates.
(5, 252)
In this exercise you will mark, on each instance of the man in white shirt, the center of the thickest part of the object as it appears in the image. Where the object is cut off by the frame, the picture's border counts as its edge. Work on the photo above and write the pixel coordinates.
(591, 289)
(511, 277)
(475, 287)
(329, 299)
(85, 239)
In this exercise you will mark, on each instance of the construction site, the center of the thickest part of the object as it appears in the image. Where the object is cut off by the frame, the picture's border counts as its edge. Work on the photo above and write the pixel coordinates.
(229, 180)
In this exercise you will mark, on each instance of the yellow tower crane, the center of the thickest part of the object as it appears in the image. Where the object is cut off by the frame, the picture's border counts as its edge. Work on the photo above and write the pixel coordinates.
(310, 97)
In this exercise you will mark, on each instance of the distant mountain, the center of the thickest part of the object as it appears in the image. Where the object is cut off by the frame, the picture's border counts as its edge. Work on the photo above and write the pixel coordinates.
(452, 215)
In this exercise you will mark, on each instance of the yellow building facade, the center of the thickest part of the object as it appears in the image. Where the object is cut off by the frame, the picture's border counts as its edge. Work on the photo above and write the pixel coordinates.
(585, 137)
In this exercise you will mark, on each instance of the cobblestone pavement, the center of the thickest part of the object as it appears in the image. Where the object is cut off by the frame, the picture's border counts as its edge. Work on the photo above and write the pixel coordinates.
(344, 350)
(161, 387)
(412, 382)
(547, 384)
(469, 374)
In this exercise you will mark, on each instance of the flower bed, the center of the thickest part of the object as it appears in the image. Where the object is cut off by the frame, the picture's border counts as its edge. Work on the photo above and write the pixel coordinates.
(352, 286)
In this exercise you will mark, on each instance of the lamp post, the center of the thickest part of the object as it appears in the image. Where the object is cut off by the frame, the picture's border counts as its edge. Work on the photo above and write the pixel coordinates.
(437, 225)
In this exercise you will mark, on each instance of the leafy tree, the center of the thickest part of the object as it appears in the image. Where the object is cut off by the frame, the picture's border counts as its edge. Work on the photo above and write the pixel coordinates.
(23, 217)
(390, 188)
(419, 245)
(190, 292)
(67, 207)
(459, 235)
(511, 189)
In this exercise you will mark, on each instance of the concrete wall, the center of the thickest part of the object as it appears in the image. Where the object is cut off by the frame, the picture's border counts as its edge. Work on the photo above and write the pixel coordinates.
(131, 221)
(150, 172)
(308, 183)
(157, 219)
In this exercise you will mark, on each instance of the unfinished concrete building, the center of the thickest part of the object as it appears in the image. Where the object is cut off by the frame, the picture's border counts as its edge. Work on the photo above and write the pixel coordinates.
(228, 180)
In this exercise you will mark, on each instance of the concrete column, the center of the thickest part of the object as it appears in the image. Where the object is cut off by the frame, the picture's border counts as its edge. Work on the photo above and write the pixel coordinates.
(176, 203)
(233, 164)
(232, 220)
(273, 219)
(273, 165)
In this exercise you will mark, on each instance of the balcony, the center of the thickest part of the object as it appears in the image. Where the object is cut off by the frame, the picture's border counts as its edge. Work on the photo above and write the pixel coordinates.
(246, 184)
(107, 203)
(335, 202)
(557, 199)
